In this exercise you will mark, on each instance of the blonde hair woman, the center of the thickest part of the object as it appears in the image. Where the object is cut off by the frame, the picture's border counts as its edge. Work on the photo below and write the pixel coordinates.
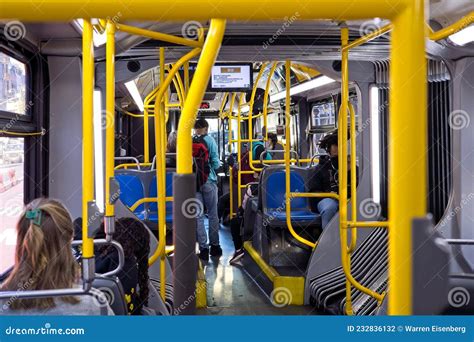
(44, 261)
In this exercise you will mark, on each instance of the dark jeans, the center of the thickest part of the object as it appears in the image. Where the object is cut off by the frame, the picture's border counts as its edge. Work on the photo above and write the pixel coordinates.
(235, 224)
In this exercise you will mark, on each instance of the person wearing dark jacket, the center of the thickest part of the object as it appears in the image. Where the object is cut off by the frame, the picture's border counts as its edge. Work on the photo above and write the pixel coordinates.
(325, 178)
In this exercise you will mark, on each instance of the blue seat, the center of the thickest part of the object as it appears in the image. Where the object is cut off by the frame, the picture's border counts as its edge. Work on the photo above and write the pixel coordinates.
(131, 190)
(274, 192)
(169, 193)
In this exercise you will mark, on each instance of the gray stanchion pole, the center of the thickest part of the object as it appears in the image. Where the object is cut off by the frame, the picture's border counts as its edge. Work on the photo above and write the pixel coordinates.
(185, 211)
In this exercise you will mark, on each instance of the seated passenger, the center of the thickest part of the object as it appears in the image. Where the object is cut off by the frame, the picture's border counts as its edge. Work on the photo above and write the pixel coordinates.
(44, 261)
(273, 144)
(135, 241)
(325, 179)
(171, 148)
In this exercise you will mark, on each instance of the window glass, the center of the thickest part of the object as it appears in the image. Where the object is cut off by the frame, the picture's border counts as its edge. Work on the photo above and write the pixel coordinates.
(12, 85)
(11, 196)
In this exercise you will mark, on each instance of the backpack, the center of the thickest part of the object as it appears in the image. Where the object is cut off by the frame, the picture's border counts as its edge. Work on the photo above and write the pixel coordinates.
(201, 165)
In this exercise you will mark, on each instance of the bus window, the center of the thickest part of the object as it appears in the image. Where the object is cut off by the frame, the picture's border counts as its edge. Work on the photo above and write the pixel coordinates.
(12, 85)
(11, 196)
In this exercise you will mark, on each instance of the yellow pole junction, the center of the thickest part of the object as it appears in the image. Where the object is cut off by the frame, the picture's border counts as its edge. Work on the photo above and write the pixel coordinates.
(87, 135)
(110, 118)
(158, 36)
(453, 28)
(195, 95)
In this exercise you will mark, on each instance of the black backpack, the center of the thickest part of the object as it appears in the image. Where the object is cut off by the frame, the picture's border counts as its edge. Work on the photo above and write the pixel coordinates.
(201, 165)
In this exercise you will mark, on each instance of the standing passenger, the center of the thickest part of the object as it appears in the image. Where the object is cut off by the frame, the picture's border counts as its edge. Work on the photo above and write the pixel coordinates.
(207, 194)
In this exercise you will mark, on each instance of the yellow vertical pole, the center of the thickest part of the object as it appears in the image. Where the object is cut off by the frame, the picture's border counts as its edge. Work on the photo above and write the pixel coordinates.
(87, 134)
(250, 116)
(161, 172)
(265, 98)
(239, 151)
(231, 178)
(353, 177)
(146, 134)
(186, 78)
(287, 148)
(408, 149)
(110, 118)
(342, 143)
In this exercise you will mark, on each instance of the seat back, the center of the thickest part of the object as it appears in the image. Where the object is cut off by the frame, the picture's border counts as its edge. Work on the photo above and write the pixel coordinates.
(272, 188)
(131, 189)
(113, 291)
(169, 192)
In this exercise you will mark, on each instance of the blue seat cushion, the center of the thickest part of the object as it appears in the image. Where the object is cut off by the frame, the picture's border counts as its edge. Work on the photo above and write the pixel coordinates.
(153, 216)
(299, 215)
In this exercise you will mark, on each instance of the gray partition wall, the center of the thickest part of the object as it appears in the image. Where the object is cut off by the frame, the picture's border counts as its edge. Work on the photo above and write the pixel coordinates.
(65, 132)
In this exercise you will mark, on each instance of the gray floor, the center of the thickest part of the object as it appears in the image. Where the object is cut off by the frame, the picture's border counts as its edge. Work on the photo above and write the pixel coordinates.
(230, 291)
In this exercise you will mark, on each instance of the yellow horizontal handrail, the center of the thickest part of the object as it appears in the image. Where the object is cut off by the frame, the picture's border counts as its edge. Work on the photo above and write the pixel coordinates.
(315, 194)
(158, 36)
(148, 200)
(453, 28)
(368, 37)
(365, 224)
(127, 165)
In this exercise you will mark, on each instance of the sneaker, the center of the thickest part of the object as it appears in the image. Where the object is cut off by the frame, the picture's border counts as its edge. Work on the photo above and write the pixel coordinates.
(237, 256)
(204, 254)
(216, 251)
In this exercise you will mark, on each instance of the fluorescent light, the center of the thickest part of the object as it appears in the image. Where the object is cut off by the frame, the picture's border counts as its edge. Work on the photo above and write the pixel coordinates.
(463, 37)
(133, 90)
(98, 151)
(313, 84)
(375, 143)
